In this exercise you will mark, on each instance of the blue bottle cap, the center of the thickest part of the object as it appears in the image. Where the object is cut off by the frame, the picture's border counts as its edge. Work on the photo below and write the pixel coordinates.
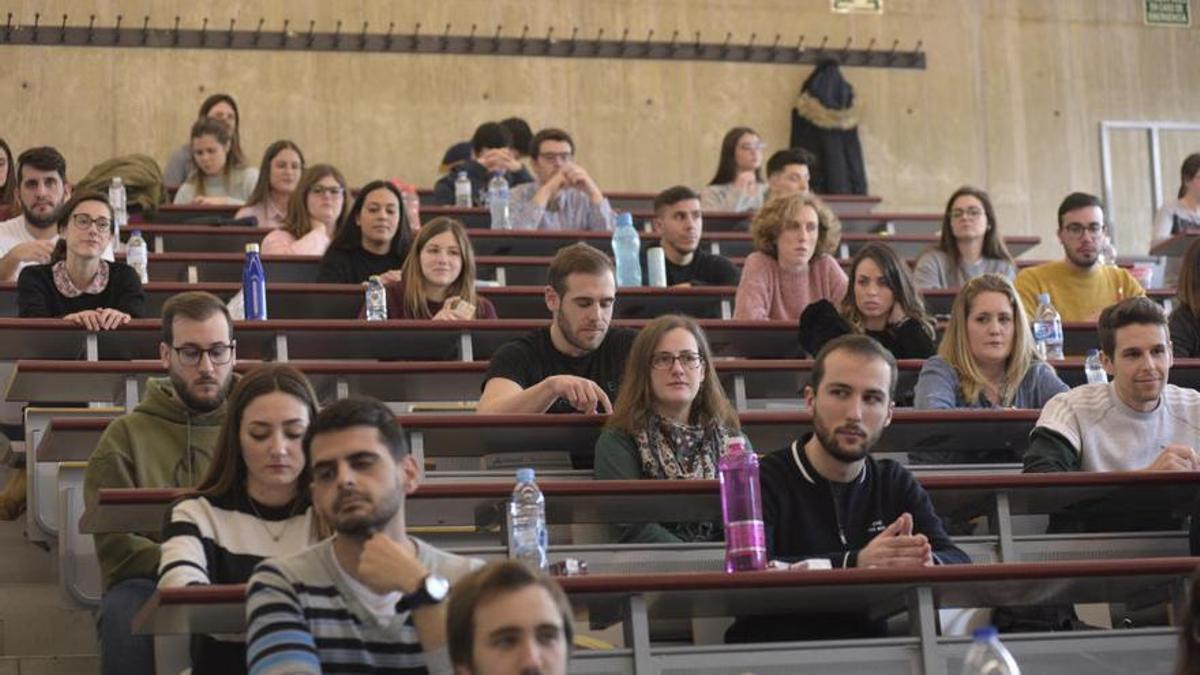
(1044, 298)
(624, 218)
(985, 633)
(135, 233)
(1093, 352)
(525, 475)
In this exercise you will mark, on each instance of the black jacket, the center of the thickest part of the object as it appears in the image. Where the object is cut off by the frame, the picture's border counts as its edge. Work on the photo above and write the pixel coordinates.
(825, 122)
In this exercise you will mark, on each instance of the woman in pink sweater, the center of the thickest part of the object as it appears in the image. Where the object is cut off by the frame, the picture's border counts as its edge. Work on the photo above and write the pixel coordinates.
(792, 265)
(315, 210)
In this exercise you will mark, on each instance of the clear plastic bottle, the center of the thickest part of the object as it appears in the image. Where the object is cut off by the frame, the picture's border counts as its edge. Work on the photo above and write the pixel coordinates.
(136, 255)
(989, 656)
(254, 285)
(627, 246)
(527, 536)
(1094, 369)
(117, 200)
(376, 299)
(462, 190)
(656, 266)
(741, 508)
(1108, 252)
(1047, 330)
(497, 196)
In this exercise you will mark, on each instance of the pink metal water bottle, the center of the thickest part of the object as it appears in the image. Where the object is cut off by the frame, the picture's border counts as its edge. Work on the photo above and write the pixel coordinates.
(741, 508)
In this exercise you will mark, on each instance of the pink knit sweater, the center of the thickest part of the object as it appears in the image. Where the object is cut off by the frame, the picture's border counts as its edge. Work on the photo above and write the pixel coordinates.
(767, 292)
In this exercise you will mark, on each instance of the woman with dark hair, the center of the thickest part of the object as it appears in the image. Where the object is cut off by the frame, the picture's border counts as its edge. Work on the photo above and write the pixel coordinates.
(218, 176)
(315, 211)
(881, 302)
(219, 107)
(738, 184)
(438, 278)
(970, 244)
(670, 421)
(8, 182)
(278, 175)
(254, 503)
(1183, 213)
(1185, 318)
(78, 284)
(373, 240)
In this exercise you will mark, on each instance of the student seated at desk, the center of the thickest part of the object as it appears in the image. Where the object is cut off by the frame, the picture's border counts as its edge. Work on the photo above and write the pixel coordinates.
(880, 302)
(986, 359)
(316, 209)
(438, 279)
(670, 422)
(254, 503)
(373, 239)
(970, 244)
(221, 107)
(1183, 213)
(825, 497)
(680, 223)
(219, 176)
(1185, 318)
(738, 184)
(78, 284)
(282, 165)
(8, 182)
(792, 264)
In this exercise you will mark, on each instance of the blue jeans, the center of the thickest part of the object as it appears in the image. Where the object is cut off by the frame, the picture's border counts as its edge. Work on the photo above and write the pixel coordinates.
(122, 652)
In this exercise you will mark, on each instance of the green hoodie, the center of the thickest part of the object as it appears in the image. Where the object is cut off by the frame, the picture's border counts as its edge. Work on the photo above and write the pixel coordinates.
(161, 444)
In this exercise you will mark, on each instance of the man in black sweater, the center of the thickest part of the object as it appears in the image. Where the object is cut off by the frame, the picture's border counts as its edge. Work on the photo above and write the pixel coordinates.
(825, 497)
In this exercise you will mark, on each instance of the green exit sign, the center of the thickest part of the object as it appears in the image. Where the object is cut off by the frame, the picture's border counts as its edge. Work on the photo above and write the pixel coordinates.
(1168, 13)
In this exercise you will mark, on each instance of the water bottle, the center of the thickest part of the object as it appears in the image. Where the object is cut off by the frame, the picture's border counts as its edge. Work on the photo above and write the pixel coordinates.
(626, 246)
(1108, 252)
(497, 196)
(377, 309)
(136, 255)
(1094, 369)
(462, 190)
(527, 538)
(656, 266)
(116, 199)
(989, 656)
(254, 285)
(1047, 330)
(741, 508)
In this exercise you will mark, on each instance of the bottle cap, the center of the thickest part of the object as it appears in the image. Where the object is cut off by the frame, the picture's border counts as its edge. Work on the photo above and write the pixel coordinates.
(735, 444)
(624, 219)
(374, 279)
(1093, 352)
(525, 475)
(1044, 298)
(135, 233)
(251, 248)
(985, 633)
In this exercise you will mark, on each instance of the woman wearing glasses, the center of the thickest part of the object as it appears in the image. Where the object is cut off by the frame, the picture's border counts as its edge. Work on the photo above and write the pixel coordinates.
(373, 241)
(970, 244)
(316, 209)
(253, 504)
(738, 184)
(670, 421)
(78, 284)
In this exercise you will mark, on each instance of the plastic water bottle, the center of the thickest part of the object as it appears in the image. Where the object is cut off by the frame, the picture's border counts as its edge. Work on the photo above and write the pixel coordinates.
(377, 309)
(254, 285)
(116, 199)
(527, 537)
(626, 246)
(1094, 369)
(741, 508)
(989, 656)
(1108, 252)
(497, 196)
(1047, 330)
(462, 190)
(136, 255)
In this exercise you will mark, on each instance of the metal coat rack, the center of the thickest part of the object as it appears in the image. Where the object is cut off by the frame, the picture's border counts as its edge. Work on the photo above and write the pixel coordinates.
(488, 43)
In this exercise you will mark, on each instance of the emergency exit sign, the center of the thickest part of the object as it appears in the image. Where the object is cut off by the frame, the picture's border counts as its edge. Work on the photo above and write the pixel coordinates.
(1168, 13)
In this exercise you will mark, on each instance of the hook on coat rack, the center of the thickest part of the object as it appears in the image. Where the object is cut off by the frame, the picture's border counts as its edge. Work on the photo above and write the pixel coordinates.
(444, 43)
(117, 30)
(175, 33)
(521, 41)
(574, 32)
(312, 32)
(62, 30)
(229, 33)
(36, 18)
(258, 30)
(91, 32)
(415, 38)
(471, 39)
(725, 46)
(337, 35)
(387, 39)
(204, 32)
(145, 29)
(549, 40)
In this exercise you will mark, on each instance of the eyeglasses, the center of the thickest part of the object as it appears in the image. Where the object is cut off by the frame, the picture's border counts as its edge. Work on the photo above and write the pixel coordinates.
(1077, 229)
(969, 212)
(318, 190)
(557, 156)
(218, 354)
(84, 222)
(666, 360)
(751, 147)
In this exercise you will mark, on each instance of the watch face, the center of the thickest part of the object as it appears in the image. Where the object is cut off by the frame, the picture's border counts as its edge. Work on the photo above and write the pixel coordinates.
(437, 587)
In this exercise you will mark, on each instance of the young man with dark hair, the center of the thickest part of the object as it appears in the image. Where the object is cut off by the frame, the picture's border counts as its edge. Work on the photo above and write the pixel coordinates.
(1136, 422)
(1079, 286)
(522, 135)
(491, 151)
(507, 619)
(680, 224)
(166, 442)
(825, 497)
(369, 599)
(575, 365)
(564, 196)
(788, 172)
(42, 190)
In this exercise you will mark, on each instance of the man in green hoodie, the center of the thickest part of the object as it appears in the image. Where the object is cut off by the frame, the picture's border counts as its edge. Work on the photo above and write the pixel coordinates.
(166, 442)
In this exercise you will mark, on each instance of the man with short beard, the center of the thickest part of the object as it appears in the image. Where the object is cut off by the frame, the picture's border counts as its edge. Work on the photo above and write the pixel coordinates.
(369, 599)
(166, 442)
(42, 189)
(824, 497)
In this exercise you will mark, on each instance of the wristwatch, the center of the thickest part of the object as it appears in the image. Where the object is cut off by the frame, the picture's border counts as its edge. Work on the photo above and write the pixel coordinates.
(433, 589)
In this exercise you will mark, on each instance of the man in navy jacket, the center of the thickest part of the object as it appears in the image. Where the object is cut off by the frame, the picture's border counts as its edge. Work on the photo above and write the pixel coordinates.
(825, 497)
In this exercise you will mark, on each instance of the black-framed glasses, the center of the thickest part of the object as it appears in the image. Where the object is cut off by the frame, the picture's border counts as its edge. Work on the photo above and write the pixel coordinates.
(665, 360)
(1078, 229)
(218, 354)
(84, 222)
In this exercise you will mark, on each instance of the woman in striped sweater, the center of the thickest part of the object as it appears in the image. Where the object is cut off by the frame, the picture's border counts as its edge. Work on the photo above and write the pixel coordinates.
(253, 504)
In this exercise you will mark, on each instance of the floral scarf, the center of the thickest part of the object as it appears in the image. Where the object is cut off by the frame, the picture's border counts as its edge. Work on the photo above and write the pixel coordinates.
(677, 451)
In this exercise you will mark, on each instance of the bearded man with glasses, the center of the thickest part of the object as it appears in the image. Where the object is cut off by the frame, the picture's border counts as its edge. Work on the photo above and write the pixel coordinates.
(1079, 286)
(166, 442)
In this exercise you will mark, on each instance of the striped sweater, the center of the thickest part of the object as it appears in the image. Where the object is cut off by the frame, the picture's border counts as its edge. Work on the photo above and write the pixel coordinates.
(302, 617)
(219, 541)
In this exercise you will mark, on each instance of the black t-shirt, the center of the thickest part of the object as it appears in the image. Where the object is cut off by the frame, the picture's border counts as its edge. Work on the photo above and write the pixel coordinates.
(532, 358)
(339, 266)
(705, 269)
